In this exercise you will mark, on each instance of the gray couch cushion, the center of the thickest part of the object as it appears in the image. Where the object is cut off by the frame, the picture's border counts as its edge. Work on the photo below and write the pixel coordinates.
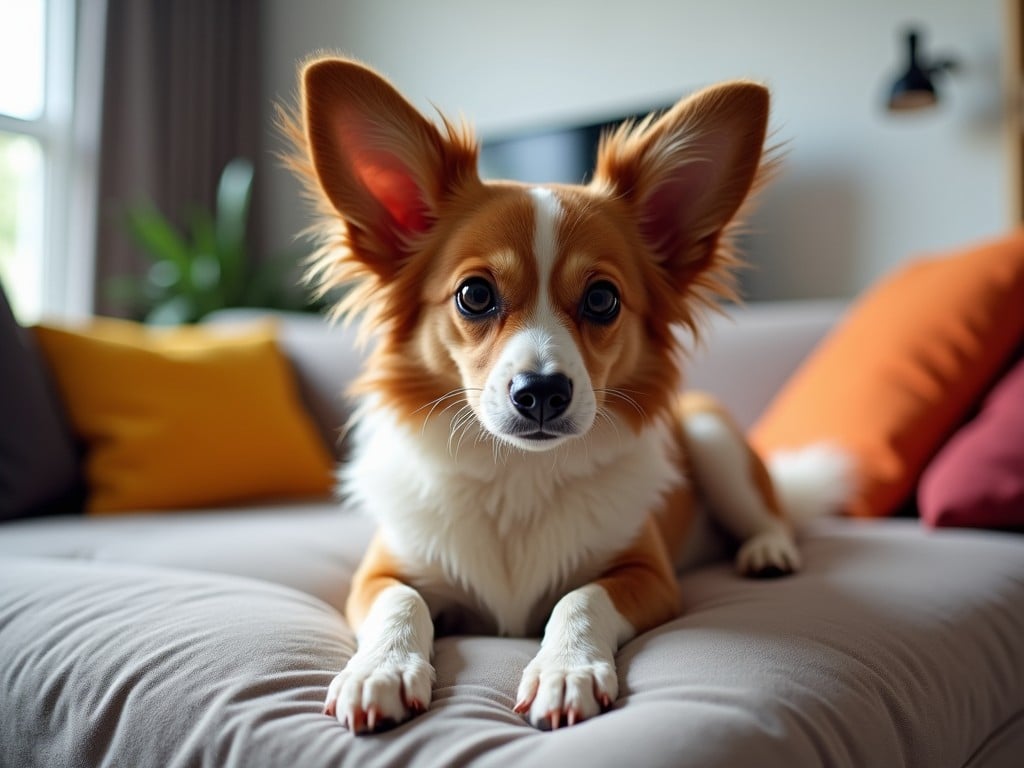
(311, 547)
(38, 458)
(895, 646)
(148, 667)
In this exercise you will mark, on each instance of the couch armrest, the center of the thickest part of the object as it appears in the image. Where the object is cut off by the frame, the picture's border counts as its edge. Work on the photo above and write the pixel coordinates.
(747, 355)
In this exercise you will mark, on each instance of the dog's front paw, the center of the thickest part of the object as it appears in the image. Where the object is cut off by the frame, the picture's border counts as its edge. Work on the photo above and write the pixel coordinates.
(565, 686)
(378, 690)
(767, 555)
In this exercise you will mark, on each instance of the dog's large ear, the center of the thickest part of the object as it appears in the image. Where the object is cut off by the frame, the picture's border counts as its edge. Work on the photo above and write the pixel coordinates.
(687, 173)
(383, 166)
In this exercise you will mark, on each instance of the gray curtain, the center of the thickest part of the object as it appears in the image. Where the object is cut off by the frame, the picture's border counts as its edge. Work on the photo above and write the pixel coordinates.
(181, 98)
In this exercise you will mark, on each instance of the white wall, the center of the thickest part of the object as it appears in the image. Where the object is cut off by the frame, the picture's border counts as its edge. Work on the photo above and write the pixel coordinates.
(860, 190)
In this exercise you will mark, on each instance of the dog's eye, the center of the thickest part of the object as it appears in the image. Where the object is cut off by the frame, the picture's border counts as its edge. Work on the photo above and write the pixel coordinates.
(601, 302)
(476, 298)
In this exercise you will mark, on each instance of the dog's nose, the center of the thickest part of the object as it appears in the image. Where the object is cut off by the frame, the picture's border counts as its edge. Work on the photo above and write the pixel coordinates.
(539, 396)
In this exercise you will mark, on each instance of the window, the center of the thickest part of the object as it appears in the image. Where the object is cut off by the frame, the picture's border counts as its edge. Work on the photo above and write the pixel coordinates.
(46, 207)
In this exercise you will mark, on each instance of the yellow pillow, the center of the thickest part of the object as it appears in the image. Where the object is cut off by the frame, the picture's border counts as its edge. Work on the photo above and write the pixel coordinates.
(902, 370)
(184, 417)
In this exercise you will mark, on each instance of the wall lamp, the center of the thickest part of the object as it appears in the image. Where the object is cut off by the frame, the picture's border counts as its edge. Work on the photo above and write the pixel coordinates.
(915, 89)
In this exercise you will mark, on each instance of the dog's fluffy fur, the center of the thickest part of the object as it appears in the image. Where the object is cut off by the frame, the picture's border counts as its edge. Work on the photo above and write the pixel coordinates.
(520, 438)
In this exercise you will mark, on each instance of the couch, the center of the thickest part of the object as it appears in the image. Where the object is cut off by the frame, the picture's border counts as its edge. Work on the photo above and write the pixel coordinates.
(209, 636)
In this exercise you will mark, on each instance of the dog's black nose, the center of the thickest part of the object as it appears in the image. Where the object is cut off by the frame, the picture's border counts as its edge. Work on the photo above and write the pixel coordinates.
(539, 396)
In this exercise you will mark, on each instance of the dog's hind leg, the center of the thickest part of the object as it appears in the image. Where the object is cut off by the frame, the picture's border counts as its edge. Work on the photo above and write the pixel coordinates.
(734, 484)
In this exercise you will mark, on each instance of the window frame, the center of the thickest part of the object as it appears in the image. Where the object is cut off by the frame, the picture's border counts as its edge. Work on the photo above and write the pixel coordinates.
(68, 132)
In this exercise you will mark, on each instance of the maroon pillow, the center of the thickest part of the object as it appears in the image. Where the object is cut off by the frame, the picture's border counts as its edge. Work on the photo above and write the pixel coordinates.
(977, 479)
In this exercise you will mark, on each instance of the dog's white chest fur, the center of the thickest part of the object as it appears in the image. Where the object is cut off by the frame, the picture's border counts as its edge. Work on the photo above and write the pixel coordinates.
(503, 531)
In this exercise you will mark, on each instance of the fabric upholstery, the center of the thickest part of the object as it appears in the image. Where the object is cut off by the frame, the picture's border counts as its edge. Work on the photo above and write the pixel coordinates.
(904, 367)
(747, 354)
(184, 417)
(311, 547)
(154, 666)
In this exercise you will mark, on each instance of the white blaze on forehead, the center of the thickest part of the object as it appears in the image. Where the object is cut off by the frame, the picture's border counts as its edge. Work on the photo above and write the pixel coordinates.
(539, 339)
(547, 211)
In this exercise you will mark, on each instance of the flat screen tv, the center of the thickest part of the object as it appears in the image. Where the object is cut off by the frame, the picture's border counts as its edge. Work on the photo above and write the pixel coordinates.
(557, 155)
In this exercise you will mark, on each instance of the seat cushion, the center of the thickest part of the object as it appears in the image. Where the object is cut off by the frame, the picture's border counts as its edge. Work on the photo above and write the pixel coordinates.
(312, 547)
(895, 646)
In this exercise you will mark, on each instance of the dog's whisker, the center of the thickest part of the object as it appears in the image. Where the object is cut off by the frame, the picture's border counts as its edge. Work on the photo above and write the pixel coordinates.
(462, 422)
(433, 404)
(466, 418)
(464, 429)
(459, 420)
(453, 405)
(453, 396)
(502, 450)
(461, 417)
(437, 401)
(604, 414)
(622, 395)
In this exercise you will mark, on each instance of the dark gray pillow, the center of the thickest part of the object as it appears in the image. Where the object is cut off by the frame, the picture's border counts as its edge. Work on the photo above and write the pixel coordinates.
(39, 469)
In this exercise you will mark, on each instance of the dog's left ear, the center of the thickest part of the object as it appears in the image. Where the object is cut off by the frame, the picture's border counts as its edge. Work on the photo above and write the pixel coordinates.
(687, 173)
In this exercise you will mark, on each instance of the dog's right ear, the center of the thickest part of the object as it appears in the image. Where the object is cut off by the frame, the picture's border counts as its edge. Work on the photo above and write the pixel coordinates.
(383, 166)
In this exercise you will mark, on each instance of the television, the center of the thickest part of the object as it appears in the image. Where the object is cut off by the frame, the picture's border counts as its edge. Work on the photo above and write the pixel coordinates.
(552, 155)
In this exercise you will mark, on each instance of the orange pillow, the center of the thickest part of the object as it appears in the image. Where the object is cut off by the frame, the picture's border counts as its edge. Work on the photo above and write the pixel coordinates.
(185, 417)
(902, 369)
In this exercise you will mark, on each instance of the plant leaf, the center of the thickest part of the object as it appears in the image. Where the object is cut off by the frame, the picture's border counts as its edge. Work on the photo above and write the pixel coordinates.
(130, 294)
(234, 193)
(204, 232)
(157, 237)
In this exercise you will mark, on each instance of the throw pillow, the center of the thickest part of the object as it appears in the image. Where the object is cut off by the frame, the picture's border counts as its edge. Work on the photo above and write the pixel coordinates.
(903, 368)
(184, 418)
(977, 478)
(38, 460)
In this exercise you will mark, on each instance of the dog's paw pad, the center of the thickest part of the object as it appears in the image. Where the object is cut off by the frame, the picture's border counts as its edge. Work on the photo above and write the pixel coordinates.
(374, 694)
(555, 693)
(768, 555)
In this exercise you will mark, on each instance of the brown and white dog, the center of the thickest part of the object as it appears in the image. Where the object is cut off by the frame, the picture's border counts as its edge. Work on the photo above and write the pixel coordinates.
(520, 439)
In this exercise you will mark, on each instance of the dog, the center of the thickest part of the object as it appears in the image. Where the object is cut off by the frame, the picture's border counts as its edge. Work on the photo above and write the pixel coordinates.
(519, 436)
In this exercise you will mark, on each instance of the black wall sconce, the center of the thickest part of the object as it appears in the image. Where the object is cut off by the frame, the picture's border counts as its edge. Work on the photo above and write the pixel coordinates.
(915, 88)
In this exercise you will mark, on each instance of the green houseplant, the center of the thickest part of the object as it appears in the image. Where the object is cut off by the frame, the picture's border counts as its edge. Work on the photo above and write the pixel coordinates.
(207, 267)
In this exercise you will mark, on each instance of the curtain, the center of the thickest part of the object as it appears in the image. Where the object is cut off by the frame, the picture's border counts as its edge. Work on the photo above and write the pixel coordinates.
(181, 98)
